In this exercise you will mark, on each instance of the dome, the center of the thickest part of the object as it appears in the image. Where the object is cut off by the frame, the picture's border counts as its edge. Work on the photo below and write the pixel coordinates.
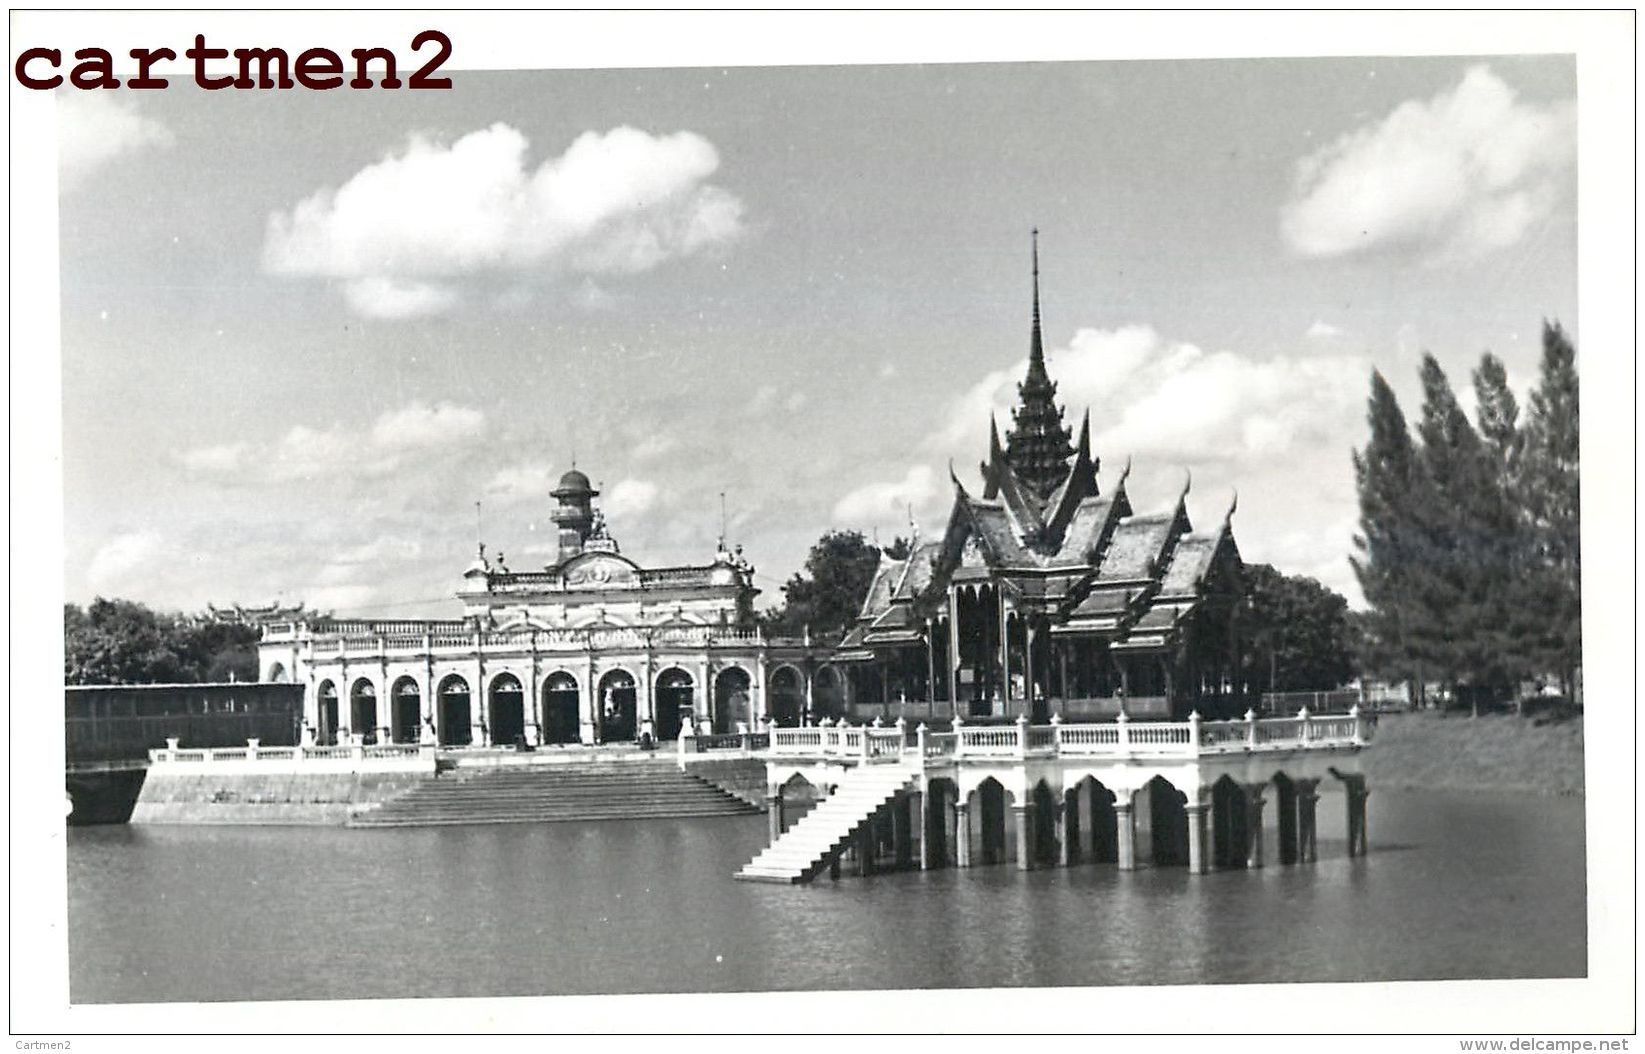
(574, 480)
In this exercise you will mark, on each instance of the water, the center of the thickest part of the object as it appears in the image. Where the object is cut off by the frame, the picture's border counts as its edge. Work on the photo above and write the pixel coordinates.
(1457, 886)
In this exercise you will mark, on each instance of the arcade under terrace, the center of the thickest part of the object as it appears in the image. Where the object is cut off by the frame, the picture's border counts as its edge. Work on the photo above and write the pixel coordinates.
(1058, 793)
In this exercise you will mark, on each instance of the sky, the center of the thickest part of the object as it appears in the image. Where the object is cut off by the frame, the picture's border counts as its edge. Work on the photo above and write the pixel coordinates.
(304, 333)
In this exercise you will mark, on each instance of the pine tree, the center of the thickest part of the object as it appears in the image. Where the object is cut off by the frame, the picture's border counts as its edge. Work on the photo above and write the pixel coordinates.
(1387, 478)
(1553, 493)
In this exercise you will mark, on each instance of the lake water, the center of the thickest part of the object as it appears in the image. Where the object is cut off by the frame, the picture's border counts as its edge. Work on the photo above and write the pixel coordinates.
(1456, 886)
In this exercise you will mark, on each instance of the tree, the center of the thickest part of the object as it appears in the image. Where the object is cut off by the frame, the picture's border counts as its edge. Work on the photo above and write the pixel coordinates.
(119, 642)
(125, 642)
(1294, 633)
(829, 594)
(1390, 488)
(1553, 498)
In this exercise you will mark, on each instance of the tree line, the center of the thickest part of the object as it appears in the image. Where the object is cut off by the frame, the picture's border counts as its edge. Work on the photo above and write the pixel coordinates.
(125, 642)
(1469, 548)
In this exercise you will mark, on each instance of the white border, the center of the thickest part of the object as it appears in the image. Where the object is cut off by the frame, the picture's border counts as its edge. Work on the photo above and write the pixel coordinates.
(1603, 43)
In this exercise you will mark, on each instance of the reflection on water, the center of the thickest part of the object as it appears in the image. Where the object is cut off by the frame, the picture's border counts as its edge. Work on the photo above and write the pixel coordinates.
(1457, 886)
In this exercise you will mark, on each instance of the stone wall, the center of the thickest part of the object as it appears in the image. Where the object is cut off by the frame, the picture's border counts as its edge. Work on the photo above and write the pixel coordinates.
(285, 799)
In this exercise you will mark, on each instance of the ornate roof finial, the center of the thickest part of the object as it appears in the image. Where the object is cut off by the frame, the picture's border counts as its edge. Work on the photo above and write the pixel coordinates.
(1228, 517)
(1036, 345)
(1187, 483)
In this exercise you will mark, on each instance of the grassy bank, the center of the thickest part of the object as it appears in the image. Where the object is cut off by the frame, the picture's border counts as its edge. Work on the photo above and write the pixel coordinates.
(1458, 752)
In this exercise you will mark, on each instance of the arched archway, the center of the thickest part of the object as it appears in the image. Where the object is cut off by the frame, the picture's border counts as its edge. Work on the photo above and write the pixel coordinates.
(616, 714)
(828, 693)
(406, 711)
(673, 703)
(1230, 832)
(1167, 823)
(507, 710)
(991, 843)
(1043, 849)
(732, 699)
(277, 674)
(456, 713)
(1092, 822)
(326, 718)
(787, 688)
(561, 703)
(939, 824)
(362, 710)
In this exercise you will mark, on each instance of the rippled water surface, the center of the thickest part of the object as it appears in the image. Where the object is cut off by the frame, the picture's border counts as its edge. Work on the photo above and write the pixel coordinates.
(1457, 886)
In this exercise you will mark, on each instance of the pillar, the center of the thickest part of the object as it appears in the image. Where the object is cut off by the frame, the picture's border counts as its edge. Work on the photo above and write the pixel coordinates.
(1028, 637)
(774, 814)
(901, 844)
(479, 698)
(1127, 828)
(1005, 653)
(953, 651)
(1307, 843)
(1062, 673)
(1254, 801)
(1024, 816)
(1358, 844)
(922, 815)
(1198, 859)
(1070, 829)
(962, 833)
(865, 849)
(1058, 820)
(534, 704)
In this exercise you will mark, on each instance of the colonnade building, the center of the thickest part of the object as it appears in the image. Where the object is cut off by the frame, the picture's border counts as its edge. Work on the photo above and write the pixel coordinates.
(593, 648)
(1046, 596)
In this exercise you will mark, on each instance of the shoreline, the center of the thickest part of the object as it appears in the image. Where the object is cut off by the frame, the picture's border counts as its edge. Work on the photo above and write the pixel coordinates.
(1494, 753)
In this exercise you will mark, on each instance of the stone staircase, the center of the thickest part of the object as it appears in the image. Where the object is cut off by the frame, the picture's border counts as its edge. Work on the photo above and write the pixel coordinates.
(549, 793)
(805, 849)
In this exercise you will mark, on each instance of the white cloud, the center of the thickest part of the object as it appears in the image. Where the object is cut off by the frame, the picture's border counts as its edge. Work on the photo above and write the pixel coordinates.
(1450, 179)
(124, 560)
(1277, 427)
(629, 498)
(419, 425)
(401, 233)
(889, 502)
(228, 457)
(94, 128)
(522, 482)
(1323, 330)
(305, 453)
(654, 446)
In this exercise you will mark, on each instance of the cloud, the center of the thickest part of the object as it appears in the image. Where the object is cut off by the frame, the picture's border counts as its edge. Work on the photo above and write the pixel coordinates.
(522, 482)
(1322, 330)
(1277, 426)
(304, 452)
(654, 446)
(228, 457)
(402, 234)
(1173, 401)
(94, 129)
(629, 498)
(888, 502)
(418, 425)
(1449, 179)
(122, 560)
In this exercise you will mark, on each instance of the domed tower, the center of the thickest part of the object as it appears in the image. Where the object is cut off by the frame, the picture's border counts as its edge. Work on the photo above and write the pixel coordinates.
(575, 513)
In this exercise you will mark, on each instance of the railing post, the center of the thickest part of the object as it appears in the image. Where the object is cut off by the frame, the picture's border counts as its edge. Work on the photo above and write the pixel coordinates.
(902, 735)
(1193, 732)
(684, 742)
(1022, 735)
(862, 742)
(171, 748)
(959, 740)
(1056, 734)
(251, 749)
(1251, 729)
(920, 736)
(1123, 724)
(1361, 725)
(1302, 726)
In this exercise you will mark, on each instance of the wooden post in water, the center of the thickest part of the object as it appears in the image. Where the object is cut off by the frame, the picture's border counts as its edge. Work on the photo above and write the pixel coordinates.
(1124, 804)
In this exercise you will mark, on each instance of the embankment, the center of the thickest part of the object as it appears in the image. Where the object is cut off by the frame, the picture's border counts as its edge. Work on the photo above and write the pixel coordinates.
(1427, 750)
(237, 798)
